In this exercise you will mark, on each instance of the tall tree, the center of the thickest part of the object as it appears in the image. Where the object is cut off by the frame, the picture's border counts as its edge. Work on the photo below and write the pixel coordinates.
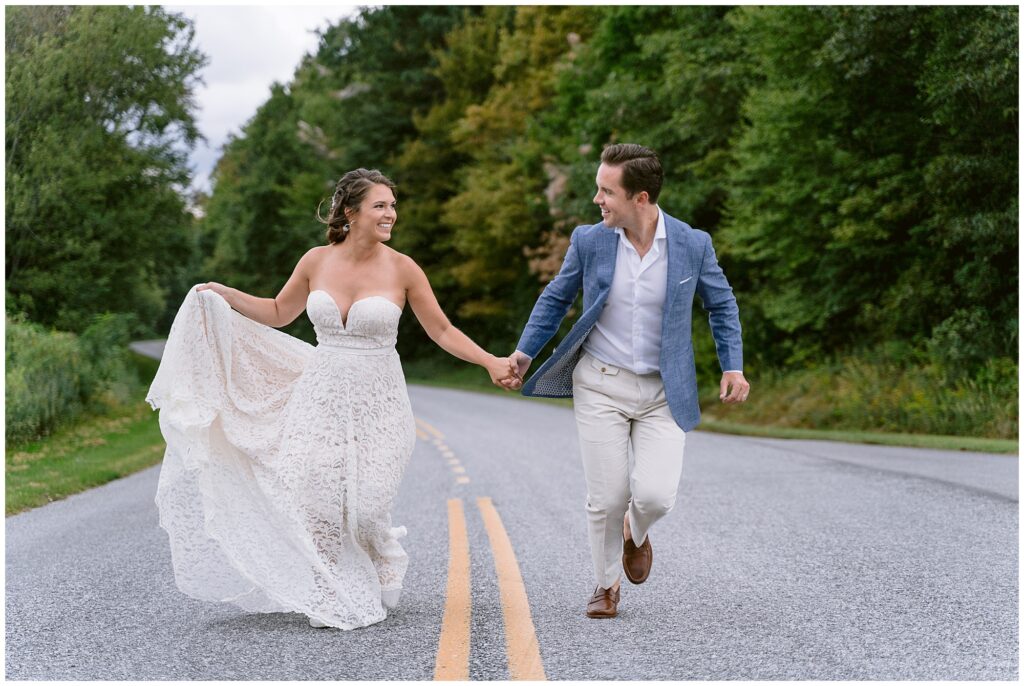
(865, 206)
(970, 243)
(501, 212)
(253, 239)
(100, 116)
(371, 75)
(817, 146)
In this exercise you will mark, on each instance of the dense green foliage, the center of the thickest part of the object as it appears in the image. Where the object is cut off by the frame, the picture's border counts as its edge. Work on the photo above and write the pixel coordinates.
(98, 239)
(873, 195)
(54, 376)
(99, 119)
(856, 167)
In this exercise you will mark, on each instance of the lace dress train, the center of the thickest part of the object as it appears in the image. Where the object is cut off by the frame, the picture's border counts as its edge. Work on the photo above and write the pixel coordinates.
(283, 459)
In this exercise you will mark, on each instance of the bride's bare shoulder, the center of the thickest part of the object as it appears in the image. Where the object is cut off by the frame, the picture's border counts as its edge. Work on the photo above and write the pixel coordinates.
(401, 260)
(410, 273)
(314, 255)
(309, 264)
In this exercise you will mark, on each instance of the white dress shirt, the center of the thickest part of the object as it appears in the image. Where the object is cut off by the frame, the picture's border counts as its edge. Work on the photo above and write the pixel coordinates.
(628, 332)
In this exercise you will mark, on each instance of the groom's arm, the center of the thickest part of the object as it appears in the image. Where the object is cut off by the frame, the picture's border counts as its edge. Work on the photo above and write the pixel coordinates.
(723, 313)
(554, 302)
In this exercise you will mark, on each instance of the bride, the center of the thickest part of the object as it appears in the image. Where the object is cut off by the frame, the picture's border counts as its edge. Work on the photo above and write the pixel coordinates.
(283, 459)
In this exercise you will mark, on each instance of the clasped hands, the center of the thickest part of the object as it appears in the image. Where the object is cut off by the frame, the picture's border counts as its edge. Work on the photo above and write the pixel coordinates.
(507, 372)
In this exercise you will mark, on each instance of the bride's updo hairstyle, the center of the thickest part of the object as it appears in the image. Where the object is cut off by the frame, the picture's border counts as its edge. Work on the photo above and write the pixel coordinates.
(350, 192)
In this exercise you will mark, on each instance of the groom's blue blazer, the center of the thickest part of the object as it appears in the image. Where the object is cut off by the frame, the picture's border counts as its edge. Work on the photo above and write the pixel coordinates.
(590, 264)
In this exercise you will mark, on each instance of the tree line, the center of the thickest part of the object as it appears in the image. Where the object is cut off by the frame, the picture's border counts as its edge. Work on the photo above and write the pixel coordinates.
(856, 166)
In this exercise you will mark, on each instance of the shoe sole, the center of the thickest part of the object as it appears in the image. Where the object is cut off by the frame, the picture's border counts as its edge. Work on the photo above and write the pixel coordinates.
(631, 580)
(603, 616)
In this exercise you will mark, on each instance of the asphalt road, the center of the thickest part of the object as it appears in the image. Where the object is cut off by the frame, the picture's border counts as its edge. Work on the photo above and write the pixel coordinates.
(782, 560)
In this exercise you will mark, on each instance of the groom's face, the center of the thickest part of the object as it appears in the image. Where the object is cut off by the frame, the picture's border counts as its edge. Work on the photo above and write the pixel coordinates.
(616, 208)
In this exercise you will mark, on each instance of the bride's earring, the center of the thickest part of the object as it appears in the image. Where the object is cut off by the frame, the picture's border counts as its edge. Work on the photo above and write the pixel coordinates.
(346, 228)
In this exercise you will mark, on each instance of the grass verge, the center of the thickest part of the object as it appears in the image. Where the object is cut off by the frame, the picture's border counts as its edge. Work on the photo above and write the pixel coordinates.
(88, 454)
(965, 443)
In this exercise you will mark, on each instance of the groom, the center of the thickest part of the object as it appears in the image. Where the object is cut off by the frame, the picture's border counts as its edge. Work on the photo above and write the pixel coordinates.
(628, 362)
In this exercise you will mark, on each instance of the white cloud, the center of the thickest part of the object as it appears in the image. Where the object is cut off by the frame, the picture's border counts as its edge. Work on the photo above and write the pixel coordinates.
(249, 47)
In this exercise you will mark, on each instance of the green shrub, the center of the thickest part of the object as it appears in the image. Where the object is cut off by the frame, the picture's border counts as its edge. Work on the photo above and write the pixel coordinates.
(53, 376)
(891, 389)
(109, 377)
(44, 381)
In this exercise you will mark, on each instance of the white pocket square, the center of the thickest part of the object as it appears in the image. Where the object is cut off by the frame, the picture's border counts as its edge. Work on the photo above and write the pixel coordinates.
(685, 280)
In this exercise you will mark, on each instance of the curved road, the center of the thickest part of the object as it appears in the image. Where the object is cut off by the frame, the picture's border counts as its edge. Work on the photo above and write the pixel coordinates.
(782, 560)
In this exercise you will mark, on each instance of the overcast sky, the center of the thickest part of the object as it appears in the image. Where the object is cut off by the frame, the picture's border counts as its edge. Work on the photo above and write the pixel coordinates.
(248, 49)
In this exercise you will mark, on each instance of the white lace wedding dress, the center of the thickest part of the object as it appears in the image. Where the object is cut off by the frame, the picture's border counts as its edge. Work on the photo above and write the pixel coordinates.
(283, 459)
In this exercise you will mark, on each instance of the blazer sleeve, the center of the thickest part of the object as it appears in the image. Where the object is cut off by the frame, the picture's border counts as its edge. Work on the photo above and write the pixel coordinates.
(723, 313)
(554, 302)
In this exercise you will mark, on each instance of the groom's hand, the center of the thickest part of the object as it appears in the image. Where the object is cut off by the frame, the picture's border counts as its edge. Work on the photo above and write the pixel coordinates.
(520, 363)
(734, 388)
(501, 371)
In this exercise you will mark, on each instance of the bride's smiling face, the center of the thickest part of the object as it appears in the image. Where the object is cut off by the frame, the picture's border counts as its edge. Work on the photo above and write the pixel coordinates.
(377, 214)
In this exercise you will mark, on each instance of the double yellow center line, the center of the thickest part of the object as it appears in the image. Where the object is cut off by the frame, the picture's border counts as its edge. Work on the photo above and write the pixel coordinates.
(521, 646)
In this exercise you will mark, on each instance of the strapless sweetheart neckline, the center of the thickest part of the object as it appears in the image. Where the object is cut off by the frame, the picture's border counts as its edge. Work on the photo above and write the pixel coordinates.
(343, 318)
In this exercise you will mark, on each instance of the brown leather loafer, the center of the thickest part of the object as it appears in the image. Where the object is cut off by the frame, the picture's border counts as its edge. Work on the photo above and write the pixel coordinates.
(604, 604)
(636, 562)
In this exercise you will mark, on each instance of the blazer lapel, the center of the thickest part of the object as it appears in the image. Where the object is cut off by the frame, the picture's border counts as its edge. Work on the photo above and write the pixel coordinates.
(607, 250)
(678, 264)
(678, 270)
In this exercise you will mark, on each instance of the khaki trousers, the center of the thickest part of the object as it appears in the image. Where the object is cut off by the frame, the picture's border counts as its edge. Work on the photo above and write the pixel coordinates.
(619, 413)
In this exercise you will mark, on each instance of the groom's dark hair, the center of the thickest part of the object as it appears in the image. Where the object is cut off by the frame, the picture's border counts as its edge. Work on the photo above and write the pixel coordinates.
(641, 168)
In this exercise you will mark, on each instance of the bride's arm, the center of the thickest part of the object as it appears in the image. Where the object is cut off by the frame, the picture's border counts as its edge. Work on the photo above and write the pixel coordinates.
(279, 311)
(433, 320)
